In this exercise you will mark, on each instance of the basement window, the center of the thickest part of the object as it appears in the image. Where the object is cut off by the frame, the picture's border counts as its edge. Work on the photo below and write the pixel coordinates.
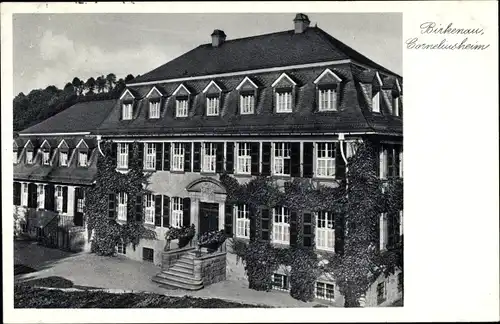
(147, 254)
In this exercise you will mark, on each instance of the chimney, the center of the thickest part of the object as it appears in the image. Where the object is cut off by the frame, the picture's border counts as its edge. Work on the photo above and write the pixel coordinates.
(218, 37)
(301, 22)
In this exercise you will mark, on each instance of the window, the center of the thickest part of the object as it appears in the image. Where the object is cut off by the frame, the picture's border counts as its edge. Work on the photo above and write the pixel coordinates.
(376, 102)
(280, 282)
(209, 157)
(244, 160)
(121, 248)
(327, 99)
(326, 160)
(247, 103)
(127, 111)
(59, 199)
(400, 282)
(284, 101)
(242, 221)
(46, 157)
(181, 108)
(63, 158)
(281, 225)
(212, 106)
(177, 212)
(381, 293)
(149, 209)
(147, 254)
(80, 203)
(14, 156)
(393, 230)
(325, 231)
(24, 196)
(395, 105)
(178, 157)
(150, 163)
(82, 159)
(29, 157)
(41, 196)
(324, 291)
(122, 156)
(154, 109)
(281, 157)
(122, 206)
(393, 162)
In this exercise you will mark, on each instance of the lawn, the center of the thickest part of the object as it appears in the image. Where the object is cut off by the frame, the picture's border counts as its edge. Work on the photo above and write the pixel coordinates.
(29, 294)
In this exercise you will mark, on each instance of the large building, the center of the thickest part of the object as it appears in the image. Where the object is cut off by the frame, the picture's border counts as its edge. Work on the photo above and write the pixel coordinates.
(285, 105)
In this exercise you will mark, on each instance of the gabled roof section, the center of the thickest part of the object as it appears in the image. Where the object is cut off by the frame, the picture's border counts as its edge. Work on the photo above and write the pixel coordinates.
(156, 89)
(45, 144)
(283, 76)
(63, 144)
(212, 83)
(246, 80)
(129, 92)
(181, 87)
(29, 144)
(327, 72)
(82, 144)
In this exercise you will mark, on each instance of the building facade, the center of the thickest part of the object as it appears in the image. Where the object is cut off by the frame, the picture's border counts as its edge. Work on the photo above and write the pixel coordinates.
(284, 105)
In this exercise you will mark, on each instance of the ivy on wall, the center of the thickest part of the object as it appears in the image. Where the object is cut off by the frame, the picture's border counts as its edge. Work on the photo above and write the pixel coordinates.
(106, 232)
(357, 204)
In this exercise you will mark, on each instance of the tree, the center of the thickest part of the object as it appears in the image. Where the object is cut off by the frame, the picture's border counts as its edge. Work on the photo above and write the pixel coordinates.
(129, 78)
(101, 84)
(90, 86)
(111, 80)
(69, 88)
(79, 85)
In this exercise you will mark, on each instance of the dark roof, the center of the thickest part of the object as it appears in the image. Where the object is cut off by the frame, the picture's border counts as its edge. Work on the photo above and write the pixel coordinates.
(257, 52)
(81, 117)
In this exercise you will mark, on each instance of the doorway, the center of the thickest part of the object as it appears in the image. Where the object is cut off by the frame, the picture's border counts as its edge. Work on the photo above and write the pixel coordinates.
(209, 217)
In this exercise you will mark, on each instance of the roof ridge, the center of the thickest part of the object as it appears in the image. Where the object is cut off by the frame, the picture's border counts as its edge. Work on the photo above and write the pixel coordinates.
(252, 37)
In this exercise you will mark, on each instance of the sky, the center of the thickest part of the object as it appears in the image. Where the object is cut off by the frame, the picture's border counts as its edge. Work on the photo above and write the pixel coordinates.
(51, 49)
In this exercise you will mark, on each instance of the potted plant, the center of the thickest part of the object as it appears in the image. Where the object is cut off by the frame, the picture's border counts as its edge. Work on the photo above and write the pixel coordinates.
(184, 234)
(211, 240)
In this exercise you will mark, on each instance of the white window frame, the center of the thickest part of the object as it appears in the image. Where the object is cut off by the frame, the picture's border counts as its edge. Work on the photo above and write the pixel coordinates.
(80, 205)
(325, 231)
(209, 160)
(242, 216)
(181, 107)
(325, 289)
(154, 109)
(177, 157)
(83, 162)
(59, 199)
(122, 206)
(177, 212)
(29, 157)
(247, 103)
(281, 225)
(63, 158)
(127, 111)
(46, 157)
(283, 101)
(376, 102)
(395, 105)
(149, 209)
(281, 153)
(283, 286)
(122, 152)
(24, 194)
(149, 156)
(213, 106)
(325, 159)
(121, 248)
(15, 157)
(243, 161)
(40, 196)
(327, 99)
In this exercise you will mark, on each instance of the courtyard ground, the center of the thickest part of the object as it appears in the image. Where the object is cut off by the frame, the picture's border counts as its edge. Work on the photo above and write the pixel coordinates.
(120, 274)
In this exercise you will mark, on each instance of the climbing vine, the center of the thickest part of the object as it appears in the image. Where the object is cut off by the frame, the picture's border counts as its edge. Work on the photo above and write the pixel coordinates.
(106, 232)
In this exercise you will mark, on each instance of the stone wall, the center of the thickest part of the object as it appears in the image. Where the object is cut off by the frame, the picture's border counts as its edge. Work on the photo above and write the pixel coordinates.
(169, 258)
(211, 268)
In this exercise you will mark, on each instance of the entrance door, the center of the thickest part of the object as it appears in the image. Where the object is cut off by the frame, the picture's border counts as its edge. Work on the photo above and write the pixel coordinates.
(209, 217)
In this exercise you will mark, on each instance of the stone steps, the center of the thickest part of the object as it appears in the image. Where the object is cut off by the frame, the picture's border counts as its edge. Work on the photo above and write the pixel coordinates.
(176, 280)
(178, 269)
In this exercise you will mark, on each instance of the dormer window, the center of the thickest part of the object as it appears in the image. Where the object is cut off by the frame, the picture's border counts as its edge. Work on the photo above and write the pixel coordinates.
(82, 158)
(395, 105)
(127, 111)
(29, 157)
(376, 101)
(181, 107)
(376, 93)
(283, 89)
(154, 109)
(63, 158)
(46, 157)
(213, 105)
(327, 84)
(15, 155)
(247, 103)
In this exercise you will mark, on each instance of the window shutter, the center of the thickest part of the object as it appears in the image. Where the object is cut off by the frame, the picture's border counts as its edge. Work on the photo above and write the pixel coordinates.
(111, 206)
(65, 199)
(339, 161)
(265, 223)
(287, 164)
(187, 157)
(158, 210)
(266, 159)
(159, 155)
(17, 193)
(307, 229)
(114, 154)
(32, 202)
(138, 208)
(382, 232)
(339, 233)
(308, 157)
(197, 157)
(253, 224)
(293, 228)
(390, 161)
(254, 154)
(295, 159)
(230, 157)
(166, 156)
(397, 161)
(140, 147)
(166, 211)
(49, 197)
(228, 219)
(219, 157)
(130, 155)
(381, 164)
(186, 215)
